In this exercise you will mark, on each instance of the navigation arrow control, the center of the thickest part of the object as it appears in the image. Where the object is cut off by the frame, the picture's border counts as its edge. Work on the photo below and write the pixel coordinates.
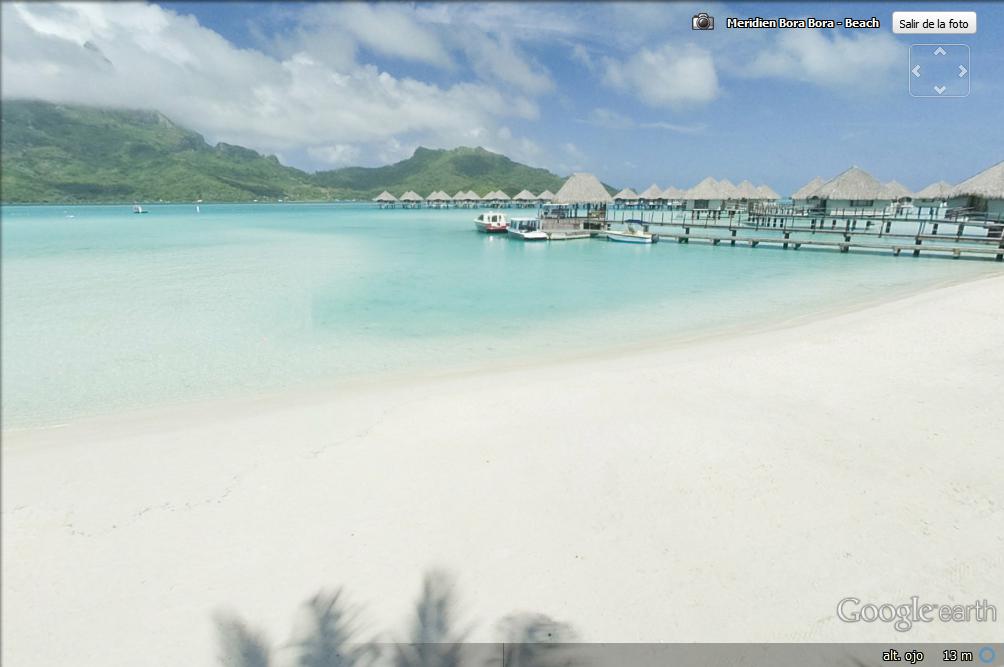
(939, 89)
(940, 51)
(916, 70)
(962, 71)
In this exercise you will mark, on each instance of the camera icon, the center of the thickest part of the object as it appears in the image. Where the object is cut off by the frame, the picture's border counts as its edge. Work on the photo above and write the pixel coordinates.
(702, 22)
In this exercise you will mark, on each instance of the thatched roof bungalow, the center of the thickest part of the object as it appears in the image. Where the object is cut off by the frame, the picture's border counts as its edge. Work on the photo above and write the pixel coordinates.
(747, 190)
(853, 189)
(580, 203)
(627, 197)
(983, 193)
(706, 195)
(766, 193)
(895, 191)
(525, 198)
(808, 191)
(411, 199)
(651, 194)
(386, 200)
(546, 195)
(672, 194)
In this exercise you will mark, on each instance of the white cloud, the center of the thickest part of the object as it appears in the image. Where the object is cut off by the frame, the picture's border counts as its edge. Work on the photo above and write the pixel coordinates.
(668, 76)
(861, 60)
(310, 102)
(612, 120)
(335, 155)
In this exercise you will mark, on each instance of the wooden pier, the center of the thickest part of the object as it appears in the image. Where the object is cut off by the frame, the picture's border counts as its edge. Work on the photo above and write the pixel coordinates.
(872, 233)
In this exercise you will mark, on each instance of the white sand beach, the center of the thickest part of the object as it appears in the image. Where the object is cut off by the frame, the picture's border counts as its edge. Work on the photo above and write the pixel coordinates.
(732, 489)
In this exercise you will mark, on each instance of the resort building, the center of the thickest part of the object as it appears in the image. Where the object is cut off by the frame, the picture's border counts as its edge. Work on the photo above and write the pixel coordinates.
(705, 196)
(854, 192)
(581, 203)
(386, 200)
(747, 191)
(545, 196)
(651, 197)
(411, 199)
(525, 199)
(626, 198)
(981, 196)
(766, 193)
(804, 196)
(933, 198)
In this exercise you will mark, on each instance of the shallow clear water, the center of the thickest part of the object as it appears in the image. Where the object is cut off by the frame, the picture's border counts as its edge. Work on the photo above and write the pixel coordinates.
(107, 310)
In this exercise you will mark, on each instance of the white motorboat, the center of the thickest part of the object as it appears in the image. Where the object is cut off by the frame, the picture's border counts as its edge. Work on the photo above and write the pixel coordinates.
(631, 234)
(526, 229)
(138, 209)
(492, 222)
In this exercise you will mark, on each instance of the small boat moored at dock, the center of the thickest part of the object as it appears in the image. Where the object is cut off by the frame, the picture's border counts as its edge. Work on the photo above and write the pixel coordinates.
(631, 234)
(491, 222)
(526, 229)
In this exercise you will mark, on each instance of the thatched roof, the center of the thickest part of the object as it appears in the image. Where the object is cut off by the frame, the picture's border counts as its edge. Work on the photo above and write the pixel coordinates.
(988, 184)
(652, 193)
(385, 197)
(472, 196)
(582, 188)
(939, 190)
(855, 183)
(502, 196)
(894, 190)
(766, 192)
(673, 193)
(546, 195)
(728, 189)
(490, 195)
(411, 196)
(525, 195)
(460, 196)
(706, 189)
(438, 195)
(626, 194)
(747, 190)
(809, 189)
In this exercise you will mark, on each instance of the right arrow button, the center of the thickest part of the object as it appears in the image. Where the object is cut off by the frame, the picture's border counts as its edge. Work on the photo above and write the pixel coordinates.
(962, 71)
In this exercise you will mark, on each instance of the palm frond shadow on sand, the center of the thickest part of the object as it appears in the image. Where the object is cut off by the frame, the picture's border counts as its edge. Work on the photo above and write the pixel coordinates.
(327, 634)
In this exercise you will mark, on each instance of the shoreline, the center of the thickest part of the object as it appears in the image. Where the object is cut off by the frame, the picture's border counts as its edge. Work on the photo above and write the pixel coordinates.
(732, 490)
(313, 392)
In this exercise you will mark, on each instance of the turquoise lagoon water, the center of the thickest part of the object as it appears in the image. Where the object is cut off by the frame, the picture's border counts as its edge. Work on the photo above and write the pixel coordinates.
(104, 310)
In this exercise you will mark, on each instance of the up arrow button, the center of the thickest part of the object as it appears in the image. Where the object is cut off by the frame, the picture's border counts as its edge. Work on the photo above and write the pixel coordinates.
(939, 51)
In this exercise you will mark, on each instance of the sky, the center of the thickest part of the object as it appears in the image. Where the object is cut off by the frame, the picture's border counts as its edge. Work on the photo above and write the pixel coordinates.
(627, 91)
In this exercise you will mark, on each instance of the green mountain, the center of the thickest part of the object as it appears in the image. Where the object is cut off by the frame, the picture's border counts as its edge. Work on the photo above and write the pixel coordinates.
(57, 153)
(450, 170)
(64, 153)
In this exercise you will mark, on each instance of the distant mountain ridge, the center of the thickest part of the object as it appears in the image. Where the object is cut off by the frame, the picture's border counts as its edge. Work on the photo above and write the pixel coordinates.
(65, 153)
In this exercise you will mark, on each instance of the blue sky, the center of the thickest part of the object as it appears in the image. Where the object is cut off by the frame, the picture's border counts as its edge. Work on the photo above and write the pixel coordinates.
(627, 90)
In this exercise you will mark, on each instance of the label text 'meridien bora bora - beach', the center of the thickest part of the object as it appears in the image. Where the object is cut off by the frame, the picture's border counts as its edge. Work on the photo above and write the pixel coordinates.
(809, 22)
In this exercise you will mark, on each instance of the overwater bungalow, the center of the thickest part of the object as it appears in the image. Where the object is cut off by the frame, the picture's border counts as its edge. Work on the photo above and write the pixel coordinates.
(730, 194)
(933, 199)
(705, 196)
(545, 197)
(626, 198)
(525, 199)
(747, 191)
(981, 197)
(411, 199)
(460, 200)
(855, 192)
(473, 199)
(503, 200)
(386, 200)
(651, 197)
(580, 204)
(766, 193)
(805, 195)
(674, 197)
(438, 199)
